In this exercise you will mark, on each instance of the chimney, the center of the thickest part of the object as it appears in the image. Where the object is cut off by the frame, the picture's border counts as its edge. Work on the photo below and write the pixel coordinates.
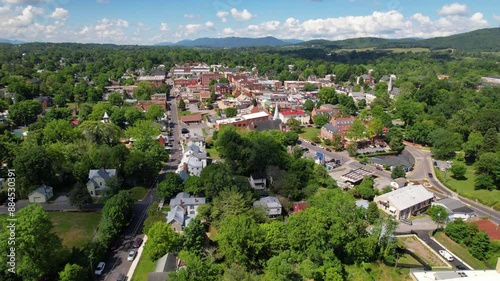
(180, 203)
(184, 167)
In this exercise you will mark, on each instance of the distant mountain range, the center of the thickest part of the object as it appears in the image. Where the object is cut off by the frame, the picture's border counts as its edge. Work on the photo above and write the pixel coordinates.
(233, 42)
(487, 39)
(10, 41)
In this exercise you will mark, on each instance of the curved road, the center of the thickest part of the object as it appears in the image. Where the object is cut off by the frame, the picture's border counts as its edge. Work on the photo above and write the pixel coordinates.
(423, 166)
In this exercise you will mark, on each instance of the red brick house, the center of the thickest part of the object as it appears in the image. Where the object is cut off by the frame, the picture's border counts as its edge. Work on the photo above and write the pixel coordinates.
(191, 119)
(207, 77)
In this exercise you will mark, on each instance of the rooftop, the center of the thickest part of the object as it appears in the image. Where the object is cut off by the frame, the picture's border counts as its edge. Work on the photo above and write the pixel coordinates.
(476, 275)
(356, 175)
(250, 116)
(404, 198)
(269, 201)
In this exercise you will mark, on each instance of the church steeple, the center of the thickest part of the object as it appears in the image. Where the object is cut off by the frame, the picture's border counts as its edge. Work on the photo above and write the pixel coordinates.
(276, 113)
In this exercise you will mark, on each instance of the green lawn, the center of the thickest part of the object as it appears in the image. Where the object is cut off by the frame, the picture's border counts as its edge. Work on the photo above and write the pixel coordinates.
(75, 228)
(212, 152)
(466, 188)
(184, 113)
(144, 266)
(408, 260)
(138, 192)
(459, 250)
(310, 133)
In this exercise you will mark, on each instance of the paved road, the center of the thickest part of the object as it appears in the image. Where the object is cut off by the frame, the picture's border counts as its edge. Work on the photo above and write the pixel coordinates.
(424, 235)
(117, 262)
(424, 166)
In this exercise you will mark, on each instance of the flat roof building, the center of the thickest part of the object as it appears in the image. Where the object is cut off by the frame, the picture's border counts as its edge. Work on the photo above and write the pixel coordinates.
(405, 202)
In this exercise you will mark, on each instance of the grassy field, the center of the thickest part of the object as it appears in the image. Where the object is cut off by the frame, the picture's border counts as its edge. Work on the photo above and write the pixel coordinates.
(310, 133)
(138, 192)
(144, 266)
(75, 229)
(184, 113)
(459, 250)
(466, 188)
(406, 259)
(421, 250)
(404, 50)
(376, 271)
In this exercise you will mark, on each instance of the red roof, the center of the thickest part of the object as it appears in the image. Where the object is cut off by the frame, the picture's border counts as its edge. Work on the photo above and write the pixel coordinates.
(490, 228)
(300, 206)
(292, 112)
(74, 122)
(191, 118)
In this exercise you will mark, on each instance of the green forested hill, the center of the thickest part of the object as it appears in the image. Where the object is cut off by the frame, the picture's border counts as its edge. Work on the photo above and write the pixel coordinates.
(487, 39)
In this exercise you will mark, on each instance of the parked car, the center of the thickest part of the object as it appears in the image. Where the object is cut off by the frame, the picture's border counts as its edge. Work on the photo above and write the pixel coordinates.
(446, 255)
(131, 255)
(137, 242)
(121, 277)
(430, 175)
(100, 268)
(461, 267)
(313, 144)
(327, 149)
(184, 131)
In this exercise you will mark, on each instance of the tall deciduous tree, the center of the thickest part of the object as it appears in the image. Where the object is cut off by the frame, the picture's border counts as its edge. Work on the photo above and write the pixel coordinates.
(170, 186)
(438, 214)
(72, 272)
(194, 236)
(294, 125)
(38, 248)
(458, 169)
(320, 120)
(398, 172)
(161, 240)
(79, 196)
(24, 112)
(231, 111)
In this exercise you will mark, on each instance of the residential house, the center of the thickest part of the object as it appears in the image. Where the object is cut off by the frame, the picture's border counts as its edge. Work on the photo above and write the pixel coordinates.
(258, 181)
(405, 202)
(96, 184)
(398, 183)
(271, 204)
(45, 101)
(183, 208)
(222, 88)
(362, 204)
(198, 141)
(207, 77)
(196, 162)
(298, 115)
(328, 131)
(41, 194)
(165, 265)
(455, 209)
(494, 80)
(156, 80)
(337, 126)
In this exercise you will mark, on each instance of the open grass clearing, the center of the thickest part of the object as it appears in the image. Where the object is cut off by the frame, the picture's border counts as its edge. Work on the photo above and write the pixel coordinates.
(466, 187)
(413, 244)
(145, 266)
(310, 133)
(376, 271)
(459, 250)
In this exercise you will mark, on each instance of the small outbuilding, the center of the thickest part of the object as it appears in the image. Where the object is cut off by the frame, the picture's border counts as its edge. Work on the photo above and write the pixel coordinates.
(41, 194)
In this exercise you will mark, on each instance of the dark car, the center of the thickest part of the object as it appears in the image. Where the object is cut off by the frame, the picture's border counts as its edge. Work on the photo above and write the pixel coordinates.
(430, 175)
(184, 131)
(312, 143)
(121, 277)
(327, 149)
(137, 242)
(461, 267)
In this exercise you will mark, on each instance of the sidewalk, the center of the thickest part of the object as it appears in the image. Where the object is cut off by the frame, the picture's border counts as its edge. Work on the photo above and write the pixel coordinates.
(137, 259)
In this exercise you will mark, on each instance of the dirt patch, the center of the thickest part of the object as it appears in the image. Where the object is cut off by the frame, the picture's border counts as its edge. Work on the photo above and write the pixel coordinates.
(490, 228)
(413, 244)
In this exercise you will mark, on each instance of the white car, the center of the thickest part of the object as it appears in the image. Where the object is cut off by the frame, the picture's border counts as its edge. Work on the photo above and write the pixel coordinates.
(131, 255)
(100, 268)
(446, 255)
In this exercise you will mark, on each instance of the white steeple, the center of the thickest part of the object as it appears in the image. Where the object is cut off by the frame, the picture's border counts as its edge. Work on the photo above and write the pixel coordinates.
(276, 113)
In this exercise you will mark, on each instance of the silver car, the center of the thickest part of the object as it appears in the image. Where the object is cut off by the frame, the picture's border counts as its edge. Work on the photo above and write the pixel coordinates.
(131, 255)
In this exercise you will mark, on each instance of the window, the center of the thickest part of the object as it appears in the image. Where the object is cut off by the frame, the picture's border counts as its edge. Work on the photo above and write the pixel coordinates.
(100, 183)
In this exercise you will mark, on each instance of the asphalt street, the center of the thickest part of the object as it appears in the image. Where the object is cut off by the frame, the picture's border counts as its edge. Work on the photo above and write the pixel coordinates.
(424, 235)
(116, 262)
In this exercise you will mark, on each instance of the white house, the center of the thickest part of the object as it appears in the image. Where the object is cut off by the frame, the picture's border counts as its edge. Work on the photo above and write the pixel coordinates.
(183, 208)
(299, 115)
(405, 202)
(41, 194)
(271, 204)
(196, 162)
(258, 181)
(97, 181)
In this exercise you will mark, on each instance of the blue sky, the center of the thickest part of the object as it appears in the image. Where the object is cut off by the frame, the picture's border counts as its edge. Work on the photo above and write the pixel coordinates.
(150, 22)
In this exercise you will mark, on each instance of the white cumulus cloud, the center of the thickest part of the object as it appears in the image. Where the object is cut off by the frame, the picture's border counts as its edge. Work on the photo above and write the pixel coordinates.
(453, 9)
(164, 26)
(243, 15)
(59, 14)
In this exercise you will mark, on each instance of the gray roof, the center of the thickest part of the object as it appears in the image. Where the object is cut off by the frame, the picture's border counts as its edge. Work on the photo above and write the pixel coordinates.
(106, 174)
(158, 276)
(267, 125)
(395, 91)
(269, 202)
(454, 205)
(187, 199)
(404, 198)
(405, 159)
(193, 147)
(330, 128)
(183, 175)
(197, 139)
(167, 263)
(176, 214)
(362, 203)
(44, 189)
(257, 176)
